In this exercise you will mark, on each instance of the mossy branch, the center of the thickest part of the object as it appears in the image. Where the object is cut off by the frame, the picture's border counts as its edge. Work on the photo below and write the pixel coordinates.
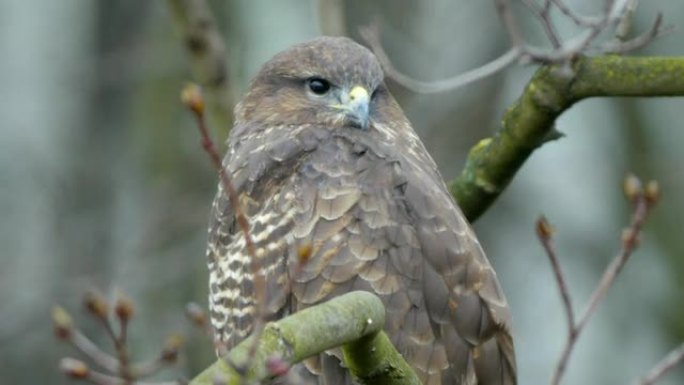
(353, 320)
(529, 123)
(372, 359)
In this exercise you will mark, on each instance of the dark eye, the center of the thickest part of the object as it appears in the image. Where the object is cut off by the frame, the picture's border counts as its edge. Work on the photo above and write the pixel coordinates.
(318, 86)
(376, 92)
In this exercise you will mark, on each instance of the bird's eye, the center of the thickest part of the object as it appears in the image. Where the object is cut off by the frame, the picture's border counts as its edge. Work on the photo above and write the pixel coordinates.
(318, 86)
(375, 93)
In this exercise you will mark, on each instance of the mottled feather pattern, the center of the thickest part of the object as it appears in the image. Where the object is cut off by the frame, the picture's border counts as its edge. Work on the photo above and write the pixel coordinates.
(373, 210)
(257, 168)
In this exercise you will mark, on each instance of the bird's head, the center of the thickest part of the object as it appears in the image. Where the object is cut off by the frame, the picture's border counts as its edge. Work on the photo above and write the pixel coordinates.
(329, 81)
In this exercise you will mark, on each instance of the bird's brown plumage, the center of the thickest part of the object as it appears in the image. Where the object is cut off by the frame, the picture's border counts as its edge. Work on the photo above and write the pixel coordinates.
(370, 204)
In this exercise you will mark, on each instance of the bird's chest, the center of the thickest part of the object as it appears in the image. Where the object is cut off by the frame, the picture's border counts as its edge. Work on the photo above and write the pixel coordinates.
(347, 215)
(337, 222)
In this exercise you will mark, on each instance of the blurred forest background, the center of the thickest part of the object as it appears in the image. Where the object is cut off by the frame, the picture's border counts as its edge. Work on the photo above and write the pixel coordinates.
(103, 183)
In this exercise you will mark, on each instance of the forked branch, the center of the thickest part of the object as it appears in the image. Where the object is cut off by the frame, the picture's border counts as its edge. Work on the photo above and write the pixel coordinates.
(642, 199)
(110, 369)
(353, 321)
(616, 15)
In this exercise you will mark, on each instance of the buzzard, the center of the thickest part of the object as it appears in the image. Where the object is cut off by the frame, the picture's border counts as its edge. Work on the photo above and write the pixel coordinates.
(323, 159)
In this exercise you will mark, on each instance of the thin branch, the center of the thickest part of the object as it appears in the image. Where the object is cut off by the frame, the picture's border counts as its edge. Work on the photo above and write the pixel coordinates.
(118, 370)
(545, 235)
(643, 201)
(615, 15)
(121, 348)
(629, 242)
(656, 31)
(505, 12)
(206, 51)
(371, 35)
(624, 27)
(193, 99)
(674, 358)
(91, 350)
(543, 13)
(98, 378)
(578, 19)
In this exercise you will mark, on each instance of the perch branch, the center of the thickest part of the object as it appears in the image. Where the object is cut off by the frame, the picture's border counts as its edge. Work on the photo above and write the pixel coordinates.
(353, 320)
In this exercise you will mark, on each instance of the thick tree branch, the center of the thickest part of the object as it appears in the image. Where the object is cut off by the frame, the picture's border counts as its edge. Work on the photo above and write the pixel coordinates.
(207, 54)
(372, 359)
(529, 123)
(354, 320)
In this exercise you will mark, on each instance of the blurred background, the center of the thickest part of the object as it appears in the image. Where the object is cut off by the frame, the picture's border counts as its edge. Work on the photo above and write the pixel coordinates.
(103, 183)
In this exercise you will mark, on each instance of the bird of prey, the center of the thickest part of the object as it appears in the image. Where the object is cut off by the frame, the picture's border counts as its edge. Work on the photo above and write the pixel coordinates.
(323, 159)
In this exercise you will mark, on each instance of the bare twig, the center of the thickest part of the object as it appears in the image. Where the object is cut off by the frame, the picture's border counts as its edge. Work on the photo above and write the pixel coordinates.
(206, 50)
(578, 19)
(543, 13)
(89, 349)
(117, 370)
(77, 369)
(545, 235)
(123, 308)
(643, 201)
(624, 27)
(616, 15)
(371, 35)
(642, 40)
(505, 12)
(674, 358)
(193, 99)
(97, 305)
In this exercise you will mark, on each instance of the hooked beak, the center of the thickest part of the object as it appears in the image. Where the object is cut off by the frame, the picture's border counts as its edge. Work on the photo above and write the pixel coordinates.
(356, 106)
